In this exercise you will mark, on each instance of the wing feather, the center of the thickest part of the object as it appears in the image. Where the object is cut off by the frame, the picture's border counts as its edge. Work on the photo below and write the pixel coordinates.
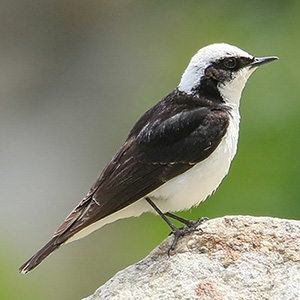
(148, 160)
(170, 138)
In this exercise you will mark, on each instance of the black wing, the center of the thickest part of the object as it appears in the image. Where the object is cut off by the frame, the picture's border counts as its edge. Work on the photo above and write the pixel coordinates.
(168, 139)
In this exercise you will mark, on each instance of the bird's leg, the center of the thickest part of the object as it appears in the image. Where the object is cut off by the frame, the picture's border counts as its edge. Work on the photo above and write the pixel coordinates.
(188, 223)
(172, 226)
(178, 232)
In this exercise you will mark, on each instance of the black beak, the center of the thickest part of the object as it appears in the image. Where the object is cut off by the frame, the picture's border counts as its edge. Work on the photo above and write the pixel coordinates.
(258, 61)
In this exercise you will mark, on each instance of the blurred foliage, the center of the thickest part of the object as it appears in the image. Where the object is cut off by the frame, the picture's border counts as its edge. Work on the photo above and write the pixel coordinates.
(77, 74)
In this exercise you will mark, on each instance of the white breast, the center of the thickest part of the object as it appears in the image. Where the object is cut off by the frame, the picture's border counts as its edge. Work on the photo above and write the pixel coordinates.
(195, 185)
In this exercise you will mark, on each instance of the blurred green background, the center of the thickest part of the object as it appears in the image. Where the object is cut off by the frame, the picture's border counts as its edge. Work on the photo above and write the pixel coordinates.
(76, 75)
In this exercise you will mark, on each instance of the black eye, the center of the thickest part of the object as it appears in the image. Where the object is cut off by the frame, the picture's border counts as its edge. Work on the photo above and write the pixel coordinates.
(230, 63)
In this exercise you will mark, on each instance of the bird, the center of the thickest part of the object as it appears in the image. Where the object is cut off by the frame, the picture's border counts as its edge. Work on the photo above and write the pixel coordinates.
(175, 156)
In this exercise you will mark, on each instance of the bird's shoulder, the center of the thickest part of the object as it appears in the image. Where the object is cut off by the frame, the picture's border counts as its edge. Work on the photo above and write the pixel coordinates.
(180, 110)
(180, 127)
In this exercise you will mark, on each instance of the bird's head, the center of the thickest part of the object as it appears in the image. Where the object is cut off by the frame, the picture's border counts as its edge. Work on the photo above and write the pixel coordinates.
(220, 68)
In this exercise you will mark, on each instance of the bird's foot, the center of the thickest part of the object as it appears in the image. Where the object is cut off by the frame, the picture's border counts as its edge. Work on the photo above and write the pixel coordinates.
(188, 223)
(191, 226)
(201, 220)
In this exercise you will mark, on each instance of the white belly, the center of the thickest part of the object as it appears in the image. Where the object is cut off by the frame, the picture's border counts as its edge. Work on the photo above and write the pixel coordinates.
(185, 190)
(196, 184)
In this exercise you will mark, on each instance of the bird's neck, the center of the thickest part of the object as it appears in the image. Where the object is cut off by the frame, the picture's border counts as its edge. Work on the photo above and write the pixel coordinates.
(231, 92)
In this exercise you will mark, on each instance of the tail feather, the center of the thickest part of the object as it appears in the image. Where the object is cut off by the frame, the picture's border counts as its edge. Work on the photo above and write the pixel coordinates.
(37, 258)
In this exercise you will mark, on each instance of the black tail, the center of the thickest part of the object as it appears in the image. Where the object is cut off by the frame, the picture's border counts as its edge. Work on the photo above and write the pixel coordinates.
(37, 258)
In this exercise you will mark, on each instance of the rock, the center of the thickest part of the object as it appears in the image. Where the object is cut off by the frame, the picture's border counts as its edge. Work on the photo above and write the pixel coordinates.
(233, 257)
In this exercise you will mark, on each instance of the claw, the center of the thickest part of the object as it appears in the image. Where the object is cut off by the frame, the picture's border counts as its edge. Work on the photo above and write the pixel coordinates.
(179, 232)
(190, 225)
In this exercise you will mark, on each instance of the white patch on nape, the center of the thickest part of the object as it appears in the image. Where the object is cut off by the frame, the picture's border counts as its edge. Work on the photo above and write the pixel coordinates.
(202, 59)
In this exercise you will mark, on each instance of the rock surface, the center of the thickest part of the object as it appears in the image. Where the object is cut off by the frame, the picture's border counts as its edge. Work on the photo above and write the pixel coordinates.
(234, 257)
